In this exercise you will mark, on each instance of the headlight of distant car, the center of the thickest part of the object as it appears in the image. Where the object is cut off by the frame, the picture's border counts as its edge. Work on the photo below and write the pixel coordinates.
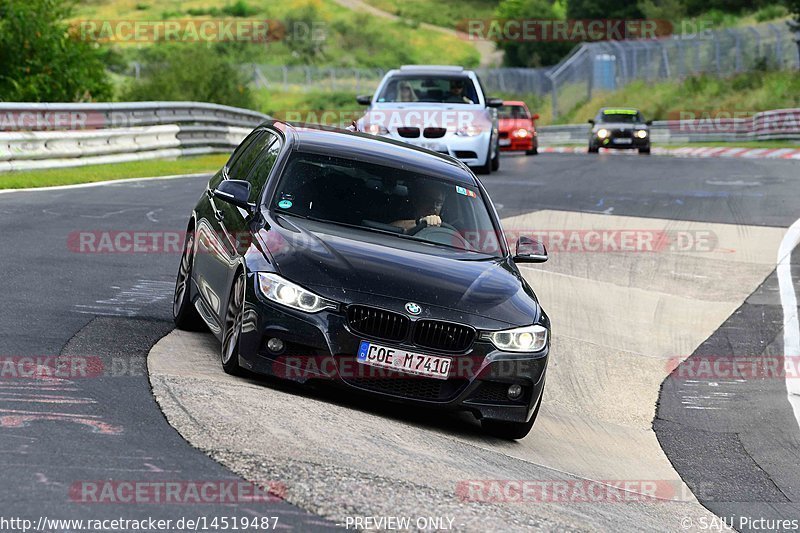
(524, 339)
(522, 133)
(641, 133)
(602, 133)
(375, 129)
(470, 131)
(284, 292)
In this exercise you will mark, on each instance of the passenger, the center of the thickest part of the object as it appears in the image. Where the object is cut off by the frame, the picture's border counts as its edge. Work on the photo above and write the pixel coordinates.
(405, 93)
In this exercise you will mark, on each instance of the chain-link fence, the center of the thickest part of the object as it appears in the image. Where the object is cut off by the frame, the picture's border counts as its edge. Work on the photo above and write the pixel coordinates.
(610, 65)
(590, 68)
(501, 80)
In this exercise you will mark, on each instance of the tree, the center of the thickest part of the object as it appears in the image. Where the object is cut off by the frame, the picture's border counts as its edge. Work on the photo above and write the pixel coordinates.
(592, 9)
(191, 72)
(532, 52)
(43, 60)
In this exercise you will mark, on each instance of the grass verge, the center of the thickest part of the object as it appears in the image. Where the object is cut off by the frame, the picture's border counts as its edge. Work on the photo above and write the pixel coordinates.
(115, 171)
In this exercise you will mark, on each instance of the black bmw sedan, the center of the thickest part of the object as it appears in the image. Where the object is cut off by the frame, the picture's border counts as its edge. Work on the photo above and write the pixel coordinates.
(619, 128)
(321, 255)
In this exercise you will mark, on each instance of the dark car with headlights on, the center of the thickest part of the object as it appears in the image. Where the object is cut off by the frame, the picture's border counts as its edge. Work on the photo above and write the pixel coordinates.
(321, 255)
(621, 128)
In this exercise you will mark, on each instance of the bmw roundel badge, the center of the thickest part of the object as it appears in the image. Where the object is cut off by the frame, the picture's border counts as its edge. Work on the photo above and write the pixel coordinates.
(413, 309)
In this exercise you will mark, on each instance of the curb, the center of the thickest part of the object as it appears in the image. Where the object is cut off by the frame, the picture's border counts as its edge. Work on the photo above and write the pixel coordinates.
(747, 153)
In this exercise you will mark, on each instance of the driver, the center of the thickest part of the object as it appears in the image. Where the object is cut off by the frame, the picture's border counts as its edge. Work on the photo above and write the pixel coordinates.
(427, 199)
(456, 93)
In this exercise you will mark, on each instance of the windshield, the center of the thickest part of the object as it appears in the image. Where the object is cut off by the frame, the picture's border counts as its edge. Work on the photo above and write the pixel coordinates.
(624, 116)
(388, 200)
(427, 88)
(513, 111)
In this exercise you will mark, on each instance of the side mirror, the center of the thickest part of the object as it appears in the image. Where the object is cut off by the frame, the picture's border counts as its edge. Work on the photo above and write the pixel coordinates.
(530, 251)
(494, 102)
(364, 99)
(235, 192)
(535, 116)
(649, 122)
(591, 121)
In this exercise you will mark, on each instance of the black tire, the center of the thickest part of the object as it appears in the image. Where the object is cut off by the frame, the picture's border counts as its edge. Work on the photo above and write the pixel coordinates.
(485, 168)
(593, 149)
(510, 430)
(644, 150)
(232, 328)
(184, 313)
(496, 159)
(532, 151)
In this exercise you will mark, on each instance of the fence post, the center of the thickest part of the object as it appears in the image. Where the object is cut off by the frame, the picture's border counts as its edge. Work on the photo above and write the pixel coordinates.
(285, 70)
(778, 45)
(554, 96)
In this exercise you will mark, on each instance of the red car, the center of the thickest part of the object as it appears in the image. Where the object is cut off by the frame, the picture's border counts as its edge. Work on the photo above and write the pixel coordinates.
(517, 128)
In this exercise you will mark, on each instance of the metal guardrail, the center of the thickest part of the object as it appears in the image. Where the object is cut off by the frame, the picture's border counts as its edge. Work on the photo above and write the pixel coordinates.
(63, 116)
(778, 124)
(65, 135)
(34, 136)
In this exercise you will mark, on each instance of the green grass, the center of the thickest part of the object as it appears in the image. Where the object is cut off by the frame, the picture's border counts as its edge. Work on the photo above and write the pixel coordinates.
(115, 171)
(349, 38)
(445, 13)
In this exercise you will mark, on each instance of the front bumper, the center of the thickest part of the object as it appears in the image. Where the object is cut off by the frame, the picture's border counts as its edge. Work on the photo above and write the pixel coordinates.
(509, 144)
(620, 142)
(321, 348)
(472, 151)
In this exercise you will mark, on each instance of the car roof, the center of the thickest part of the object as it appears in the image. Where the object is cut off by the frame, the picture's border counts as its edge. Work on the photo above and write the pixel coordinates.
(630, 110)
(369, 148)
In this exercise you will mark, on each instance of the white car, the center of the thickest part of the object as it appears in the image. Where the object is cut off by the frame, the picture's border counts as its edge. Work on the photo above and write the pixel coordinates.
(440, 108)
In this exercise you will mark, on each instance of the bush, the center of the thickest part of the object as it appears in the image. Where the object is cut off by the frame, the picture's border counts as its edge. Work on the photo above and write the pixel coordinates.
(42, 59)
(191, 73)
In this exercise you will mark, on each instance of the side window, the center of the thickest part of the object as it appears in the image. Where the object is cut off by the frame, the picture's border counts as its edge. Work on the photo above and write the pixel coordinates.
(258, 176)
(242, 163)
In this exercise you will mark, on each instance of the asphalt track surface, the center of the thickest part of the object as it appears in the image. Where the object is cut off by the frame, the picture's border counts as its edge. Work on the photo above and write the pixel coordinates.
(617, 312)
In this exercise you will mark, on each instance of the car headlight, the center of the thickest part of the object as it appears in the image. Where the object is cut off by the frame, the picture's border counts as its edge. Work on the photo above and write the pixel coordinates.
(524, 339)
(602, 133)
(470, 131)
(375, 129)
(284, 292)
(641, 133)
(522, 132)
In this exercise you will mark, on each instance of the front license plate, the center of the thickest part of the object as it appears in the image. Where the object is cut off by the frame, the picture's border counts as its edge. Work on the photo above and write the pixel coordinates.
(505, 142)
(623, 141)
(434, 147)
(431, 366)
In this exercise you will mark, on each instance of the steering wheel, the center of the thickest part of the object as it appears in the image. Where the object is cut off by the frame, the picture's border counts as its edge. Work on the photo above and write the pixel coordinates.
(444, 234)
(423, 224)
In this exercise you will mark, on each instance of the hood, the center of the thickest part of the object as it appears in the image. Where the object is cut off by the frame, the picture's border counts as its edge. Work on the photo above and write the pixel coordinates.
(620, 126)
(351, 266)
(509, 124)
(404, 114)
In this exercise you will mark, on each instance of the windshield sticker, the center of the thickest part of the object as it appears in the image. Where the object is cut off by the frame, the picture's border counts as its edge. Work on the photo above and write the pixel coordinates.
(466, 192)
(285, 204)
(620, 112)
